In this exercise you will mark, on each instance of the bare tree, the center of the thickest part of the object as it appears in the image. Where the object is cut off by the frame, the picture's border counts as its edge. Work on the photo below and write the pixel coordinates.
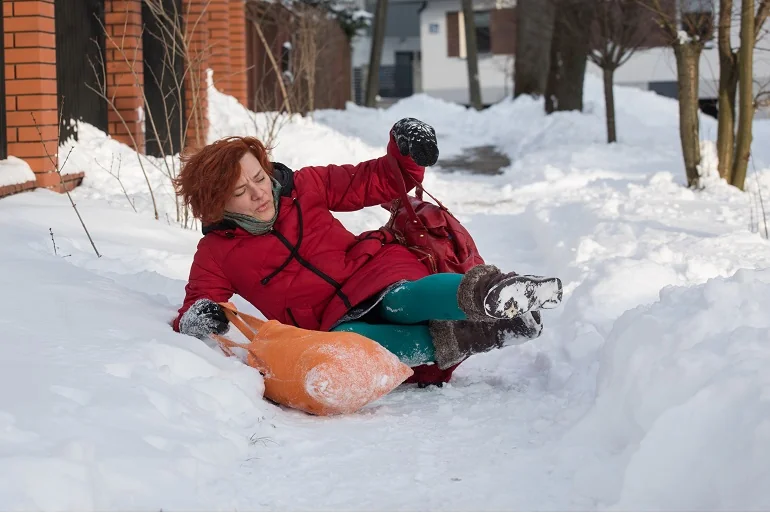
(534, 32)
(179, 78)
(745, 95)
(618, 29)
(731, 168)
(375, 54)
(101, 90)
(619, 33)
(472, 55)
(271, 98)
(569, 54)
(697, 27)
(286, 105)
(181, 81)
(728, 88)
(309, 43)
(294, 41)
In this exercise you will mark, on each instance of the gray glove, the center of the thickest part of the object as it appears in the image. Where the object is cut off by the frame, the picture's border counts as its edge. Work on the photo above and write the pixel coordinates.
(203, 318)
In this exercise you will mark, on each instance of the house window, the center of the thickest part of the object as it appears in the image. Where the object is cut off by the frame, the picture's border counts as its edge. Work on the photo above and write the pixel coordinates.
(483, 38)
(456, 33)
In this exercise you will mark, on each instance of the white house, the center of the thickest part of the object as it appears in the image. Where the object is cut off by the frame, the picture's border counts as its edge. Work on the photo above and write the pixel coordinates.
(442, 40)
(445, 75)
(400, 63)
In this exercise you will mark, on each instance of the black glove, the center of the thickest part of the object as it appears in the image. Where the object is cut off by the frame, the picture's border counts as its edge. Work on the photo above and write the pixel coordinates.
(203, 318)
(416, 139)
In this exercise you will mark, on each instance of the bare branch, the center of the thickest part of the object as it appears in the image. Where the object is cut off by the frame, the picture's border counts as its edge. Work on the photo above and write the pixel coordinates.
(273, 62)
(58, 169)
(759, 20)
(102, 93)
(663, 18)
(116, 176)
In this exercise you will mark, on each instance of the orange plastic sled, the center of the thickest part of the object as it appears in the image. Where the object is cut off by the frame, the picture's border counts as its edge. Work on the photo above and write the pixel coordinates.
(323, 373)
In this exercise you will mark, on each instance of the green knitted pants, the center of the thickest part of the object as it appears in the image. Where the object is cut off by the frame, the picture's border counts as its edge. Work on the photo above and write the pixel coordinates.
(405, 312)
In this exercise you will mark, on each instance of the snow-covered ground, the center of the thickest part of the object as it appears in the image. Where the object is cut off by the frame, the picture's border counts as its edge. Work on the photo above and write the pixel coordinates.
(648, 389)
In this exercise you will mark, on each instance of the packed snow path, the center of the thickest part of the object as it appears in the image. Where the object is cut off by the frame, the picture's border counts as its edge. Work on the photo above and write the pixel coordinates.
(633, 385)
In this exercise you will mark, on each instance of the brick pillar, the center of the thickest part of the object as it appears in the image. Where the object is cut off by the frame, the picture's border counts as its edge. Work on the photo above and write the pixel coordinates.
(125, 70)
(219, 42)
(238, 65)
(196, 98)
(30, 86)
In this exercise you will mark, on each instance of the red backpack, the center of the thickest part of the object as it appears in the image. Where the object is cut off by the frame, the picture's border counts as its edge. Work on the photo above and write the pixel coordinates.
(430, 231)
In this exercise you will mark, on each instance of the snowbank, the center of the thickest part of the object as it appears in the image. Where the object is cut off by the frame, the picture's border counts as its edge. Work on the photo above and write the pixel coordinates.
(14, 171)
(99, 399)
(684, 396)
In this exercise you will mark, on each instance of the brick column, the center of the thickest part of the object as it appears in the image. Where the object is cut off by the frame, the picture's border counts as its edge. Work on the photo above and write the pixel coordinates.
(238, 65)
(30, 86)
(196, 18)
(219, 42)
(125, 70)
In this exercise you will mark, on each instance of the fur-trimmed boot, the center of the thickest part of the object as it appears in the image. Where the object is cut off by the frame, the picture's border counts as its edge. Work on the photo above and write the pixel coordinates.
(454, 341)
(486, 292)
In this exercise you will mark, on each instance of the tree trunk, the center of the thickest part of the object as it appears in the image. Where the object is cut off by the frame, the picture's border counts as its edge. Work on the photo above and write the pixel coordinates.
(534, 30)
(472, 55)
(746, 95)
(570, 89)
(375, 56)
(554, 73)
(728, 84)
(569, 56)
(687, 64)
(609, 102)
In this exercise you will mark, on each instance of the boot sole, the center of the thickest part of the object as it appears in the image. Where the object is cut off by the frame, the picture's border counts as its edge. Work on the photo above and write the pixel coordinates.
(517, 295)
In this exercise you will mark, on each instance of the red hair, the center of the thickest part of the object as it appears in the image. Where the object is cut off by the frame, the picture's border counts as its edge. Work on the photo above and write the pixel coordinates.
(209, 176)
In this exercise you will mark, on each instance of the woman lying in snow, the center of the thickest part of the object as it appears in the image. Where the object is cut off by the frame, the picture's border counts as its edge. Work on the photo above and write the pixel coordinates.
(270, 236)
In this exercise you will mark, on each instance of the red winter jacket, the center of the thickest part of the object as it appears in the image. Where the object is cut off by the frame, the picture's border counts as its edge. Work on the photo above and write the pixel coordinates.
(309, 270)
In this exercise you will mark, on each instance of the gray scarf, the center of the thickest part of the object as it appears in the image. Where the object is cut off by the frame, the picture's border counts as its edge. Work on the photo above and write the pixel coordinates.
(253, 225)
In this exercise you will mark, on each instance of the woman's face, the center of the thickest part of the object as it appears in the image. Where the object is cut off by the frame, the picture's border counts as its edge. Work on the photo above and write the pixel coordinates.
(253, 193)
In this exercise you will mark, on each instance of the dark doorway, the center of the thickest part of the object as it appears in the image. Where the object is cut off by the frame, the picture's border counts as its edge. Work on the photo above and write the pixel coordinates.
(709, 106)
(80, 62)
(3, 127)
(403, 81)
(163, 77)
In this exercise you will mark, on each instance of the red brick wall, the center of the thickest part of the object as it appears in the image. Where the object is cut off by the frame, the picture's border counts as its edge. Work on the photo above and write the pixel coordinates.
(125, 70)
(219, 42)
(7, 190)
(30, 74)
